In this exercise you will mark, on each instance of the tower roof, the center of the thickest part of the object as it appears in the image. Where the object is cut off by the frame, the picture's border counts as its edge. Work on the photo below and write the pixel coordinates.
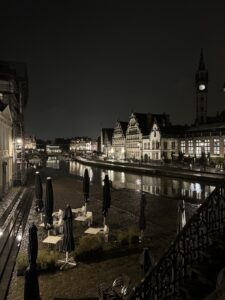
(201, 61)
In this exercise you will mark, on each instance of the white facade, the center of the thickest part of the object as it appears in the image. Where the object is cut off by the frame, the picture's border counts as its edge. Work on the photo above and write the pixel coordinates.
(53, 149)
(151, 144)
(30, 143)
(133, 139)
(118, 142)
(83, 145)
(6, 150)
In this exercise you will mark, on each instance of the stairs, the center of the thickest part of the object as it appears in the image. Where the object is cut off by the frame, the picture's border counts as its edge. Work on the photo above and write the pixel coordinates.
(202, 276)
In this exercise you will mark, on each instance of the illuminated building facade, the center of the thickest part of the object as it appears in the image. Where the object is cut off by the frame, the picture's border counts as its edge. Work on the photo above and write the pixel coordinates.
(6, 149)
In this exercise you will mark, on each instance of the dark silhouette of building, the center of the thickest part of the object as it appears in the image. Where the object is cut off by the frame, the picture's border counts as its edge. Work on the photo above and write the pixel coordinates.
(201, 84)
(14, 92)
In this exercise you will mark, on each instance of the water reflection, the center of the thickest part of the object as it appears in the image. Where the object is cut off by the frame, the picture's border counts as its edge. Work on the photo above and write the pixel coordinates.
(159, 186)
(52, 163)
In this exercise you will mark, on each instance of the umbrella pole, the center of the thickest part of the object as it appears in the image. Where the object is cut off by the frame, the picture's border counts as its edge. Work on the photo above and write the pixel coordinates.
(141, 236)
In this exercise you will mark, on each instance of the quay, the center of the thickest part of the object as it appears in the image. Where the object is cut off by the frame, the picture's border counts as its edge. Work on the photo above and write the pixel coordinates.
(157, 170)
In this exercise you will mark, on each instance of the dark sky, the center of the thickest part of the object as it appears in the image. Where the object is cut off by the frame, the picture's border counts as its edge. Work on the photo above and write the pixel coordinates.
(92, 62)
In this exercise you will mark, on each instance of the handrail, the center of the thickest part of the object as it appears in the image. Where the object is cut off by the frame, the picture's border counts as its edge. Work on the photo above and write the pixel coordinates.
(172, 269)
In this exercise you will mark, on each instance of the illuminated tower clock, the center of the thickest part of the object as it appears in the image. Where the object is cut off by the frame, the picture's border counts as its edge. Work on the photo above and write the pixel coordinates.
(201, 84)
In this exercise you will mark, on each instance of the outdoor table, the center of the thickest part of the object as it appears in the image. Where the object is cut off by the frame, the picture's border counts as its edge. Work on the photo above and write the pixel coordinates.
(87, 218)
(53, 240)
(92, 230)
(76, 211)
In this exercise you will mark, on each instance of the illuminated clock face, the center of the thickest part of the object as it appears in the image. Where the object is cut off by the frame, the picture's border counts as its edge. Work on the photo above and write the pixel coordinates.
(201, 87)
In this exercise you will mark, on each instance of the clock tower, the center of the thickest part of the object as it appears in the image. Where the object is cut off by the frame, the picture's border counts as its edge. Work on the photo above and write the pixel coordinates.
(201, 84)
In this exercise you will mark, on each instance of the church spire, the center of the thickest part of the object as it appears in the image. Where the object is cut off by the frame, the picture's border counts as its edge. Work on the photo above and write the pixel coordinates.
(201, 61)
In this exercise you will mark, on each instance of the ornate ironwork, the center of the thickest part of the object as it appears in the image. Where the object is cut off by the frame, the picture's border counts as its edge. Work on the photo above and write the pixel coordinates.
(189, 246)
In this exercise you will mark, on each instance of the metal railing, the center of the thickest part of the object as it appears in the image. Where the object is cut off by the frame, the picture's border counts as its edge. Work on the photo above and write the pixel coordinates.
(166, 277)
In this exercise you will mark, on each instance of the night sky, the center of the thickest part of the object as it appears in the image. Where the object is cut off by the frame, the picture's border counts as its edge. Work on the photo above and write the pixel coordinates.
(93, 62)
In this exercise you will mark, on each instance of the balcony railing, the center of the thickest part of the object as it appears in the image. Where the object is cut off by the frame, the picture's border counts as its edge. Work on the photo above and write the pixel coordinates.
(165, 278)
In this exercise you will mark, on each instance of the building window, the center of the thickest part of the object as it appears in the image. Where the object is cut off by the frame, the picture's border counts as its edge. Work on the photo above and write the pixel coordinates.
(216, 146)
(145, 146)
(224, 146)
(207, 146)
(165, 145)
(182, 146)
(190, 148)
(198, 148)
(173, 145)
(153, 145)
(157, 145)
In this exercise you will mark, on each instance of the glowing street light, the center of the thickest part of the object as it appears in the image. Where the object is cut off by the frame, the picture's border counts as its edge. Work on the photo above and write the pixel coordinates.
(19, 141)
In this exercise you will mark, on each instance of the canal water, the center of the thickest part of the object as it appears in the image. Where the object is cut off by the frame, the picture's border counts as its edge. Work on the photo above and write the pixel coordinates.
(190, 191)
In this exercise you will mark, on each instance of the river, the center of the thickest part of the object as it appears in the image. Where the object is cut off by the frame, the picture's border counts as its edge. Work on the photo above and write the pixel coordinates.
(193, 191)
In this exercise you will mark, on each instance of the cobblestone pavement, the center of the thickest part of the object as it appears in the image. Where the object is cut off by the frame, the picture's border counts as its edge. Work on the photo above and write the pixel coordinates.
(161, 215)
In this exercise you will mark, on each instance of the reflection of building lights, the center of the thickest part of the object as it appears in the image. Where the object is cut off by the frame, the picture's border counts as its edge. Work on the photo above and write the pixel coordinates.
(112, 150)
(1, 233)
(122, 177)
(122, 150)
(138, 181)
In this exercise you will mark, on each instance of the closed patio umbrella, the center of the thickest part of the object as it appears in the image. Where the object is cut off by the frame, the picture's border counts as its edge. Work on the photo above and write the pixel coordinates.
(142, 221)
(86, 186)
(32, 245)
(49, 202)
(68, 239)
(38, 192)
(31, 286)
(181, 216)
(146, 261)
(106, 197)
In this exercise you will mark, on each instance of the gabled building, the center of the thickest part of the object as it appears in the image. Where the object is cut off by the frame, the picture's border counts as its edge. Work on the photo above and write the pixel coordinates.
(137, 128)
(140, 130)
(6, 149)
(119, 140)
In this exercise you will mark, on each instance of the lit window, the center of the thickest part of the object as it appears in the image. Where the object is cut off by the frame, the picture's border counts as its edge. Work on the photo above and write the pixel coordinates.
(207, 146)
(182, 146)
(198, 148)
(190, 148)
(165, 145)
(173, 145)
(216, 146)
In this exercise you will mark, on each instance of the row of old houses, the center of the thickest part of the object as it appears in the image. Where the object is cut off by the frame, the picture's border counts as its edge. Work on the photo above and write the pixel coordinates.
(13, 99)
(149, 136)
(145, 137)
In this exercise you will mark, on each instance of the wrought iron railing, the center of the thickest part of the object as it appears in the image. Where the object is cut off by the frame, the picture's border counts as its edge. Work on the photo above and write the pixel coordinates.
(166, 277)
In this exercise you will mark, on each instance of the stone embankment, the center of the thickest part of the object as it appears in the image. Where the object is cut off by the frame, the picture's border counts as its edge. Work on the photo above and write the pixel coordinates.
(157, 170)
